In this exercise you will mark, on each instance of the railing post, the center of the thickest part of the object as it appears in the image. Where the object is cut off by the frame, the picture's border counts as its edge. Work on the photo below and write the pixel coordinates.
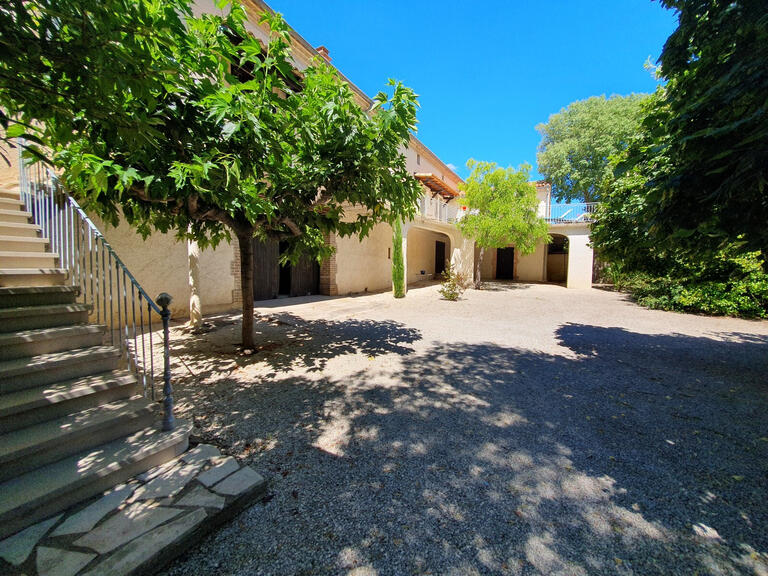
(164, 300)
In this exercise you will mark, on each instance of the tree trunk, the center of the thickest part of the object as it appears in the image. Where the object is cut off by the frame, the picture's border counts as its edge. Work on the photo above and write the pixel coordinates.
(245, 242)
(477, 268)
(195, 308)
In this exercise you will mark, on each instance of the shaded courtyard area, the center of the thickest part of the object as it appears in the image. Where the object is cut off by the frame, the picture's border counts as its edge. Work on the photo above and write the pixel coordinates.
(526, 429)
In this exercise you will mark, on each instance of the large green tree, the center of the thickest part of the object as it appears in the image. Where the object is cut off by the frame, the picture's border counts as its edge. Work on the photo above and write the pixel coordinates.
(711, 124)
(578, 141)
(501, 210)
(196, 127)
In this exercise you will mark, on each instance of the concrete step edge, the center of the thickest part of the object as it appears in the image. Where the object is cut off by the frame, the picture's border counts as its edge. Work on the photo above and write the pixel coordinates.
(24, 494)
(31, 271)
(21, 311)
(43, 334)
(26, 290)
(24, 239)
(52, 360)
(49, 435)
(25, 254)
(13, 403)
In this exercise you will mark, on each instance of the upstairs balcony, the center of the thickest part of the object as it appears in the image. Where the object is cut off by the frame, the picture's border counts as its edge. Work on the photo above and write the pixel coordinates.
(581, 212)
(439, 200)
(438, 209)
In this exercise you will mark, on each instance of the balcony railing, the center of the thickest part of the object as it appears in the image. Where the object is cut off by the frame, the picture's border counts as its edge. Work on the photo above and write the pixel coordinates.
(437, 209)
(570, 213)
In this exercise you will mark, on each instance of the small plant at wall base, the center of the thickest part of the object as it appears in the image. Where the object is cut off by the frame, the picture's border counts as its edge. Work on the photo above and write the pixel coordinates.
(501, 210)
(398, 266)
(454, 283)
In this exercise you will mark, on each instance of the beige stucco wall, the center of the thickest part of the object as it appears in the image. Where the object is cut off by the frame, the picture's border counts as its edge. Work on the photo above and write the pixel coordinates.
(580, 257)
(557, 267)
(160, 264)
(533, 267)
(462, 254)
(217, 277)
(530, 267)
(365, 266)
(9, 174)
(421, 253)
(488, 265)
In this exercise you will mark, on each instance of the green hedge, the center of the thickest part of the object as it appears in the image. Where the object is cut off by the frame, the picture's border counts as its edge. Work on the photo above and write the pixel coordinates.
(743, 292)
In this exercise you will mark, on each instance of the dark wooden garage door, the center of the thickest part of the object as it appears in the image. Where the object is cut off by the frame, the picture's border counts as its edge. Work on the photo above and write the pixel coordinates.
(271, 280)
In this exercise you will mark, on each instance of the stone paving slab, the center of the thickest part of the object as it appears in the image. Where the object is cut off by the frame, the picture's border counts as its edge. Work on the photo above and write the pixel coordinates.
(138, 527)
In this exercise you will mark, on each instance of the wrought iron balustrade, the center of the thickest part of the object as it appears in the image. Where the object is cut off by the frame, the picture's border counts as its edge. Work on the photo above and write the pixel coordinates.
(115, 298)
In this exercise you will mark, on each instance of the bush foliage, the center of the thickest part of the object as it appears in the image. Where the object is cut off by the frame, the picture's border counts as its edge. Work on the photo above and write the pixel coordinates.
(732, 284)
(454, 283)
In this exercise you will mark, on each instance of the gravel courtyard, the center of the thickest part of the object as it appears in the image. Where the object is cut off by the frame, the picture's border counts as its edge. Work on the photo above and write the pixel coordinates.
(526, 429)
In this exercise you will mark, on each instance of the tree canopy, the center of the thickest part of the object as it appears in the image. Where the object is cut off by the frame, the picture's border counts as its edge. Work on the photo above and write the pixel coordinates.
(685, 220)
(578, 141)
(501, 209)
(198, 128)
(711, 124)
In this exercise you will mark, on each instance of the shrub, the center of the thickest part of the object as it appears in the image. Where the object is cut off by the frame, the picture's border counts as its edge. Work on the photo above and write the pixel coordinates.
(742, 292)
(454, 283)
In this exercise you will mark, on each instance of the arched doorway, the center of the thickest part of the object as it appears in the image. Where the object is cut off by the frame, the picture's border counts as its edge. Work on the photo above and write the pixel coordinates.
(557, 259)
(428, 254)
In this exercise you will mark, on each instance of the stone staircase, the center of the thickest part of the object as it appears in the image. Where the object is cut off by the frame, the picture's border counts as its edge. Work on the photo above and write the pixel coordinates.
(73, 421)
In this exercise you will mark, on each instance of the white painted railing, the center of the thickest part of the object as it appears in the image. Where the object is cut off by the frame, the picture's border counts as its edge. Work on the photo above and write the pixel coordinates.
(115, 298)
(566, 213)
(437, 209)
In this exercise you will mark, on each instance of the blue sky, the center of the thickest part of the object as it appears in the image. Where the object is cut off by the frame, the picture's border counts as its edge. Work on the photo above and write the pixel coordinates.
(488, 72)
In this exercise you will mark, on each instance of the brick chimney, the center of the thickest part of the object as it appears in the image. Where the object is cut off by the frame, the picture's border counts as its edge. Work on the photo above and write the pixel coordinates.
(323, 51)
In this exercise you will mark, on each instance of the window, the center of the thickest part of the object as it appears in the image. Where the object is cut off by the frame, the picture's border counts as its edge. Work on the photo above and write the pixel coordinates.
(418, 159)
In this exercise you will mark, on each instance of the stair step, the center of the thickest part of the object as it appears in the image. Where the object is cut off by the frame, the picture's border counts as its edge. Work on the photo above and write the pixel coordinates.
(19, 216)
(34, 446)
(23, 373)
(24, 229)
(43, 492)
(11, 203)
(32, 276)
(23, 244)
(32, 317)
(28, 259)
(35, 405)
(47, 340)
(14, 297)
(11, 192)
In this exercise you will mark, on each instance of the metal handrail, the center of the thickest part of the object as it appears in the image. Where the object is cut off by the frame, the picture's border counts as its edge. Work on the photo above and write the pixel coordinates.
(105, 284)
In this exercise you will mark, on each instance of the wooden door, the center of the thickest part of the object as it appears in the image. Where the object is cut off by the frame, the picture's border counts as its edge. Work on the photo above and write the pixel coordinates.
(439, 258)
(305, 277)
(505, 263)
(266, 276)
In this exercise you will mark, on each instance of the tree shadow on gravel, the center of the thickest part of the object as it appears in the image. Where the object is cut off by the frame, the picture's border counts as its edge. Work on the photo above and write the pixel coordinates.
(628, 454)
(285, 341)
(503, 285)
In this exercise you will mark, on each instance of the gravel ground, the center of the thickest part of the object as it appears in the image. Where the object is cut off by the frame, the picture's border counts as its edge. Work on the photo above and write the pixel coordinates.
(526, 429)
